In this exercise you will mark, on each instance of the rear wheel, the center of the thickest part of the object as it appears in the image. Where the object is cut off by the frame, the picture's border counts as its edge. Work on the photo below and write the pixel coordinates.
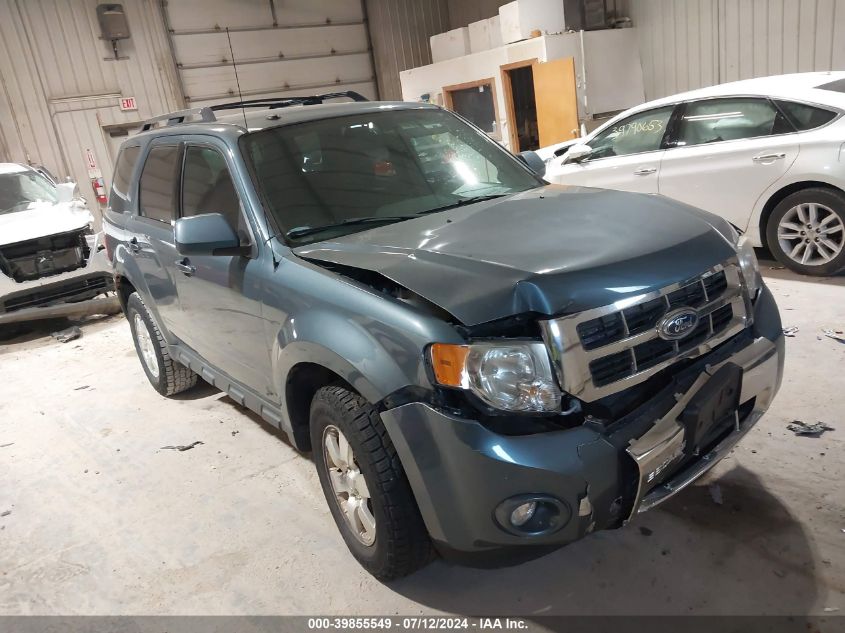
(366, 488)
(806, 232)
(167, 376)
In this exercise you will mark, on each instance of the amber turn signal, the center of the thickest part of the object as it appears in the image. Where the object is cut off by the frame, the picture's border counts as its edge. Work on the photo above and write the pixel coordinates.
(448, 362)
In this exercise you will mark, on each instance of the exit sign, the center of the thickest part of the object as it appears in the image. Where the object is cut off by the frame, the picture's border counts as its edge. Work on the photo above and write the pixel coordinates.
(128, 103)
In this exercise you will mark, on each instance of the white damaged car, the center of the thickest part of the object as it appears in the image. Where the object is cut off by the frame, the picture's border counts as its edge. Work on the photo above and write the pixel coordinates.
(52, 263)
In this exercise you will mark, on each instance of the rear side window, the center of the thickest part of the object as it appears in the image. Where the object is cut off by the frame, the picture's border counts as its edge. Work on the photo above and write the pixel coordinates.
(158, 184)
(805, 117)
(716, 120)
(207, 186)
(122, 177)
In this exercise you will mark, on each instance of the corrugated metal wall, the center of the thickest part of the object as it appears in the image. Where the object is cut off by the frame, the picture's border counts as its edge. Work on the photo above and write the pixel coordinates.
(281, 47)
(688, 44)
(59, 91)
(462, 12)
(400, 30)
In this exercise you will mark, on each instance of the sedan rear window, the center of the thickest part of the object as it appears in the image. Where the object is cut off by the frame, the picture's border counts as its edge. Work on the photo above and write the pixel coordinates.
(805, 117)
(716, 120)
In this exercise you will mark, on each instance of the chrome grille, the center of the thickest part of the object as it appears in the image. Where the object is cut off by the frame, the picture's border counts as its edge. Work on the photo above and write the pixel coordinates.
(605, 350)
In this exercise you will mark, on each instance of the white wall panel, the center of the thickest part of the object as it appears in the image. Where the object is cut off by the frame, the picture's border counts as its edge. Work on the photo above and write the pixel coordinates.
(279, 46)
(24, 114)
(688, 44)
(58, 91)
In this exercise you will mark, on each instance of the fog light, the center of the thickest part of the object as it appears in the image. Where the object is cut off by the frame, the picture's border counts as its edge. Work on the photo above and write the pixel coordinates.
(523, 513)
(532, 515)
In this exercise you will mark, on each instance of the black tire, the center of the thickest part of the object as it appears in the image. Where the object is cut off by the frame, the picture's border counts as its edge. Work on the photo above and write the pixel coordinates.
(402, 545)
(830, 198)
(169, 377)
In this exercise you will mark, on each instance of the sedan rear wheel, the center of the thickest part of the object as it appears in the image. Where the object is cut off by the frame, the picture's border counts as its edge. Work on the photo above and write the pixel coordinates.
(806, 232)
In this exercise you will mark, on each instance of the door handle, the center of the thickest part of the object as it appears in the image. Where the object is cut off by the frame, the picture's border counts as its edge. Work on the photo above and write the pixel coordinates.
(645, 171)
(765, 158)
(185, 266)
(134, 246)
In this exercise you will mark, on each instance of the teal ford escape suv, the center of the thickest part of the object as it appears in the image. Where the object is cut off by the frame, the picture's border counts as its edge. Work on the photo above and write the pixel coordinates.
(482, 364)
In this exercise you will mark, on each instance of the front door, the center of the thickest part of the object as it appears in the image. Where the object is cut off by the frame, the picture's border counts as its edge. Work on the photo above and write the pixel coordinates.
(725, 154)
(219, 294)
(625, 156)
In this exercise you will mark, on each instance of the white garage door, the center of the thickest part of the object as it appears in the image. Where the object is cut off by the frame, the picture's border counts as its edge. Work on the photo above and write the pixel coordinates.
(281, 47)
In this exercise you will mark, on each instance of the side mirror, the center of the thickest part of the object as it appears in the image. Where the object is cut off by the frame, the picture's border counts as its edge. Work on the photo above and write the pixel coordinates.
(66, 192)
(577, 153)
(206, 234)
(534, 162)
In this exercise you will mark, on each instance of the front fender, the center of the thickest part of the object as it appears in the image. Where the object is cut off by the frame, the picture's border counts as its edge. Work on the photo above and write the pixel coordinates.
(374, 359)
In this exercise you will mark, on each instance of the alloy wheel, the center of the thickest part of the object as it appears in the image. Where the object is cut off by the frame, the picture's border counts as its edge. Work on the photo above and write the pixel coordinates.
(348, 484)
(145, 345)
(811, 234)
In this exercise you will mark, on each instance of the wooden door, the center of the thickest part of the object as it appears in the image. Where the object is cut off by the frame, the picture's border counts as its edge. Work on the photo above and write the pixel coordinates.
(557, 101)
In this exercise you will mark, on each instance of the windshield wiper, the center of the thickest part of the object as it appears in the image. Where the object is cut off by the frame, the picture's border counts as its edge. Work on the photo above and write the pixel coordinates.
(464, 201)
(302, 231)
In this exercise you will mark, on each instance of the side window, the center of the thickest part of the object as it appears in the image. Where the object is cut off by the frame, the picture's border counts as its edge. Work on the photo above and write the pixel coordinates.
(805, 117)
(207, 186)
(158, 184)
(121, 180)
(639, 133)
(716, 120)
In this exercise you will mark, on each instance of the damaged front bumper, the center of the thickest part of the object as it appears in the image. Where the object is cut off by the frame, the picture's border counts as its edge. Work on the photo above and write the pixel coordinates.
(461, 472)
(76, 293)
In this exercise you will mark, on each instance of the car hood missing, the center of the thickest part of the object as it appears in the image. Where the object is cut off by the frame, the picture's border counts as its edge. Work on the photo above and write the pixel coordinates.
(550, 251)
(42, 219)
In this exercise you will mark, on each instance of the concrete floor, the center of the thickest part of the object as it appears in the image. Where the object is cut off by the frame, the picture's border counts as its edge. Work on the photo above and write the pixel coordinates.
(102, 521)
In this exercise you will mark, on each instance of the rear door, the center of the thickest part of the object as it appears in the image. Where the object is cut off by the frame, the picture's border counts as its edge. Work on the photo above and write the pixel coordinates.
(121, 198)
(220, 311)
(151, 241)
(625, 156)
(724, 153)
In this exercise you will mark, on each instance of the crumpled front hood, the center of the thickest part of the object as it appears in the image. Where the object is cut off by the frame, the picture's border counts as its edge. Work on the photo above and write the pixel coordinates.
(551, 250)
(42, 219)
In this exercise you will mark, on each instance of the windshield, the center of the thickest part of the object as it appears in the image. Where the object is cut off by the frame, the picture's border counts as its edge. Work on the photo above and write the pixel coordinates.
(332, 177)
(19, 190)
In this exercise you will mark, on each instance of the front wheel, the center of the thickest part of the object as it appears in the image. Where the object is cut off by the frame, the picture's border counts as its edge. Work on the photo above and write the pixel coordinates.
(366, 488)
(806, 232)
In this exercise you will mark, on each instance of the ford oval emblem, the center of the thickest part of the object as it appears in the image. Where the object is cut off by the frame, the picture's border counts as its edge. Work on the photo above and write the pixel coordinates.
(677, 324)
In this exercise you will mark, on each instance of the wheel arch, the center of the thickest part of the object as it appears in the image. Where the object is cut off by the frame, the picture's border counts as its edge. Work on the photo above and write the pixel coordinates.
(124, 288)
(781, 194)
(303, 382)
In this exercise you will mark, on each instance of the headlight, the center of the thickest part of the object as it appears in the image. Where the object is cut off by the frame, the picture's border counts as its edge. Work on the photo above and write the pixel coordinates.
(507, 376)
(748, 265)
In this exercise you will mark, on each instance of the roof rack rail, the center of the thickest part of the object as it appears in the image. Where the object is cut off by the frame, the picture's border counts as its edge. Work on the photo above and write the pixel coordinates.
(283, 102)
(206, 113)
(175, 118)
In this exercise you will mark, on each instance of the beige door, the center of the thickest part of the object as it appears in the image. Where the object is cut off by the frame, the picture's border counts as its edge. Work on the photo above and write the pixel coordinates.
(557, 101)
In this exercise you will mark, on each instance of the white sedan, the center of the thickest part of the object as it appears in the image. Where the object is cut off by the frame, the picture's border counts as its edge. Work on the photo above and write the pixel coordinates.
(767, 154)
